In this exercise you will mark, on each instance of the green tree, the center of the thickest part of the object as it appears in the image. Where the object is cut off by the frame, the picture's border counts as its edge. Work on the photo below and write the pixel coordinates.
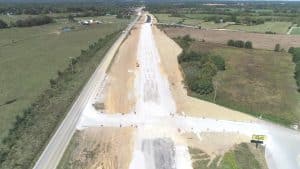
(248, 45)
(291, 50)
(204, 86)
(53, 83)
(277, 47)
(230, 42)
(3, 24)
(208, 70)
(218, 61)
(239, 44)
(71, 18)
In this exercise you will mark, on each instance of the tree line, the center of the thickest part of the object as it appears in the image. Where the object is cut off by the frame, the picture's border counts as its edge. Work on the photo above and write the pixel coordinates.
(240, 44)
(198, 68)
(28, 22)
(296, 59)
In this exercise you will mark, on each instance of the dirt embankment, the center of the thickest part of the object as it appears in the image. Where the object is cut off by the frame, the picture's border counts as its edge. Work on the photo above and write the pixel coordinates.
(169, 51)
(99, 148)
(260, 41)
(120, 96)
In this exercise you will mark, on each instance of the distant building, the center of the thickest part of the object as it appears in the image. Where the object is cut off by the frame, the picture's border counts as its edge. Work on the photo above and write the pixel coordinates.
(89, 22)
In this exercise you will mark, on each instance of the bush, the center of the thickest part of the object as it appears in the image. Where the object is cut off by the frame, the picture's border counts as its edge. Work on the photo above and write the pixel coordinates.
(230, 42)
(277, 47)
(204, 86)
(248, 45)
(239, 44)
(270, 32)
(218, 61)
(3, 24)
(296, 60)
(34, 21)
(208, 70)
(187, 38)
(184, 41)
(291, 50)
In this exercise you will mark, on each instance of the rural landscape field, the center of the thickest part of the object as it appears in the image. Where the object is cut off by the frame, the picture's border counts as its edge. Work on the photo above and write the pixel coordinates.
(149, 84)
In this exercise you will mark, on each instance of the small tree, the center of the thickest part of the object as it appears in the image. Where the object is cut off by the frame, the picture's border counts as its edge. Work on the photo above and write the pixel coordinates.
(277, 47)
(239, 44)
(3, 24)
(71, 18)
(248, 45)
(291, 50)
(53, 83)
(230, 42)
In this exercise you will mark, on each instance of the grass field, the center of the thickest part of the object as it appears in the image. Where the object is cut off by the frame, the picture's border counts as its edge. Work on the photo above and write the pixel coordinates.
(165, 18)
(13, 18)
(295, 31)
(196, 20)
(258, 82)
(243, 156)
(29, 57)
(278, 27)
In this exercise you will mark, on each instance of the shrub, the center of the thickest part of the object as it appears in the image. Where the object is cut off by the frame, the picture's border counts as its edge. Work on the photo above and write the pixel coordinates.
(184, 41)
(239, 44)
(208, 70)
(230, 42)
(296, 60)
(277, 47)
(3, 24)
(204, 86)
(34, 21)
(187, 38)
(218, 61)
(270, 32)
(52, 83)
(248, 45)
(291, 50)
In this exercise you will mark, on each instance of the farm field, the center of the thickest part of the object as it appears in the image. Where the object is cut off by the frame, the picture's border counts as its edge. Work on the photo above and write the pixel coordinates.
(295, 31)
(196, 21)
(278, 27)
(261, 41)
(30, 57)
(257, 82)
(165, 18)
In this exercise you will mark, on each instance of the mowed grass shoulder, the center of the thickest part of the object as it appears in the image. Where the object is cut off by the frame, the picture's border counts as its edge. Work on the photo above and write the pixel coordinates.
(30, 57)
(258, 82)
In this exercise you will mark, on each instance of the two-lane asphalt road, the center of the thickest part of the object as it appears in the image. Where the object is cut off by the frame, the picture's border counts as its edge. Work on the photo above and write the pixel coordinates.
(52, 154)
